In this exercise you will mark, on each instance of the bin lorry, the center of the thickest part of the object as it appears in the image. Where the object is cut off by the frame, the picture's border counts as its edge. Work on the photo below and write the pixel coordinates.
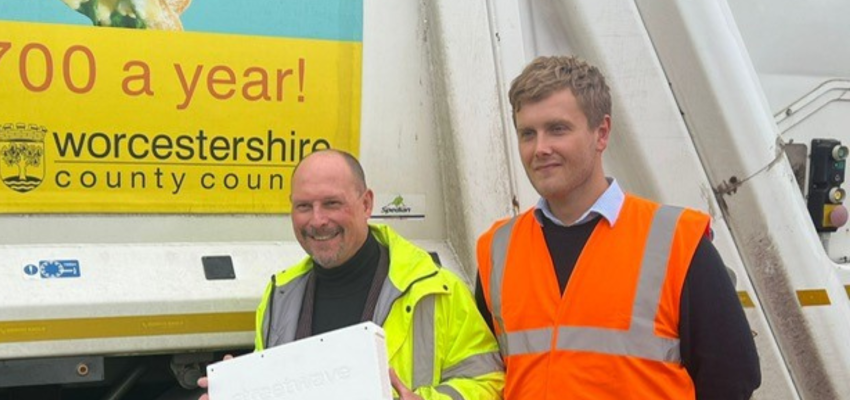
(736, 108)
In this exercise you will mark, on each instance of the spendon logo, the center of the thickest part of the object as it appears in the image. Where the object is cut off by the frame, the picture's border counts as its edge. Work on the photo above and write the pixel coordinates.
(396, 206)
(22, 156)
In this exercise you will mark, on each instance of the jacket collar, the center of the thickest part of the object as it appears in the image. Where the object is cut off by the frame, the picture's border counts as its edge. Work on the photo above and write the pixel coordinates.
(408, 263)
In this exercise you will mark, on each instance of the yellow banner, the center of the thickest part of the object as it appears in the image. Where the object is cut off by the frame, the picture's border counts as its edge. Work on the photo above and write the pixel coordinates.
(105, 120)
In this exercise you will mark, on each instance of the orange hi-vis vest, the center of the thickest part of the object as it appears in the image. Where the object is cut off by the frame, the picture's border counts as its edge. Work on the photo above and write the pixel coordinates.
(614, 334)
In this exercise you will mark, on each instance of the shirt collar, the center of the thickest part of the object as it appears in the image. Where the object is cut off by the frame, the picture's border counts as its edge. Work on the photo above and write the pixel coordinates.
(608, 205)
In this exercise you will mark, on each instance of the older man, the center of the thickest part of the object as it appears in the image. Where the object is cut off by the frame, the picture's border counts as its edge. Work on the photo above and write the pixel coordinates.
(439, 346)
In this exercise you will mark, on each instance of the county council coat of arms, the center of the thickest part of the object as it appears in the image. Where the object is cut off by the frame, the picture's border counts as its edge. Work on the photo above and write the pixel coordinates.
(22, 156)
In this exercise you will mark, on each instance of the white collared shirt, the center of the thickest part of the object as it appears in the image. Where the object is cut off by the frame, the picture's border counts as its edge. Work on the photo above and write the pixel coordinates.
(608, 205)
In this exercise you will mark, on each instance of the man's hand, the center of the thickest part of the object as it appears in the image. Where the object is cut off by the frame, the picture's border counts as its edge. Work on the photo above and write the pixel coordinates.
(205, 383)
(403, 392)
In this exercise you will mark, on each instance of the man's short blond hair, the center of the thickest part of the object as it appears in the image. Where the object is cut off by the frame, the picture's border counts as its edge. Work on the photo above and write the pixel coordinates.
(547, 75)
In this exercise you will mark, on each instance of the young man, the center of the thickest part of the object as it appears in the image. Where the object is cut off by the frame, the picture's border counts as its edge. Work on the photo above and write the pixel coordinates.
(438, 345)
(594, 293)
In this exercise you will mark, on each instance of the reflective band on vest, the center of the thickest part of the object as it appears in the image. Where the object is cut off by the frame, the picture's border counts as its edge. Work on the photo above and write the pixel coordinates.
(526, 342)
(638, 341)
(499, 250)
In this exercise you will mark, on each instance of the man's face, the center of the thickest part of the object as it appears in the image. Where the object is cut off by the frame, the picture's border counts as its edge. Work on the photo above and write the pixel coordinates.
(559, 151)
(329, 213)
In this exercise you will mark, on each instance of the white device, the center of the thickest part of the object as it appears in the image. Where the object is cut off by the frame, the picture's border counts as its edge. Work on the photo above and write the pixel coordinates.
(348, 363)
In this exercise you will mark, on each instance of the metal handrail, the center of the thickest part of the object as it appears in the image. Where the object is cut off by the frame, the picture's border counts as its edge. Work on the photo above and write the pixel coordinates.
(825, 93)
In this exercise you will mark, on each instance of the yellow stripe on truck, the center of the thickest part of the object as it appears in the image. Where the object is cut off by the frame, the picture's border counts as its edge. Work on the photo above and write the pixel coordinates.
(116, 327)
(745, 299)
(817, 297)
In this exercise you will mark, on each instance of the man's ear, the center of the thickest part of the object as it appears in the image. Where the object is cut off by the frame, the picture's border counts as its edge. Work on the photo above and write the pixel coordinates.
(603, 133)
(368, 201)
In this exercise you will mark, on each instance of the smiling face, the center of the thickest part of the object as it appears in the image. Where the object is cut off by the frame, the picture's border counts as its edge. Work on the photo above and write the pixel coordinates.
(330, 208)
(561, 154)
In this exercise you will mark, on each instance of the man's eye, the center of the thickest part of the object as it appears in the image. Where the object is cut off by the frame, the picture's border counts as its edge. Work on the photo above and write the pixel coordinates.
(302, 207)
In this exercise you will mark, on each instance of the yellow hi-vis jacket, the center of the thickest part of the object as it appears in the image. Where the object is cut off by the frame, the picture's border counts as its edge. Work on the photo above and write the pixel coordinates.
(437, 341)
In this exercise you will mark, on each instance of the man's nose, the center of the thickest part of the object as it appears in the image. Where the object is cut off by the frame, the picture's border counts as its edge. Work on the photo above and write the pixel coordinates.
(542, 147)
(319, 217)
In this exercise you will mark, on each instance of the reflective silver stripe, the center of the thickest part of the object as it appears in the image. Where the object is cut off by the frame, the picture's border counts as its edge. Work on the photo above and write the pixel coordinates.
(389, 294)
(639, 340)
(449, 391)
(529, 341)
(286, 306)
(498, 253)
(609, 341)
(423, 342)
(474, 366)
(653, 267)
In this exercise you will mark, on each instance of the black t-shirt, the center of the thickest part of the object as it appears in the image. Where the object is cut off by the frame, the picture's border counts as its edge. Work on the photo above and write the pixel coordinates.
(716, 343)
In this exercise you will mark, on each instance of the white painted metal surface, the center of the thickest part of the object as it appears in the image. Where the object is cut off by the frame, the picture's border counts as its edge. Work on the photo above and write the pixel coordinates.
(469, 121)
(163, 281)
(738, 142)
(132, 281)
(799, 53)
